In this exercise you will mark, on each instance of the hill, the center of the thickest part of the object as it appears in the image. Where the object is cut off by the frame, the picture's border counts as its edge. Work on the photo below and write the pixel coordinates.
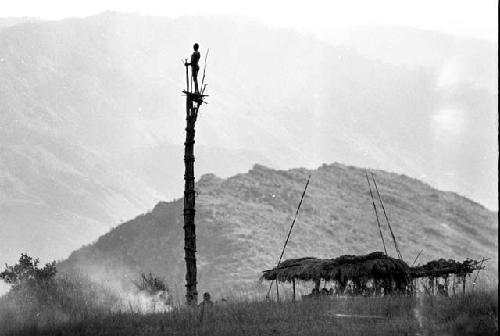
(242, 222)
(92, 119)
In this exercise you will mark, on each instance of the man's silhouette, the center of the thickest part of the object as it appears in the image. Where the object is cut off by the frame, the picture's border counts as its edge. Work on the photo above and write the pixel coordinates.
(205, 306)
(195, 57)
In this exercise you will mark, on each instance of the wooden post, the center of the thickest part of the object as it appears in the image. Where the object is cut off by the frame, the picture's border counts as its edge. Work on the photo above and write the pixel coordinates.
(463, 283)
(293, 283)
(453, 284)
(189, 204)
(277, 292)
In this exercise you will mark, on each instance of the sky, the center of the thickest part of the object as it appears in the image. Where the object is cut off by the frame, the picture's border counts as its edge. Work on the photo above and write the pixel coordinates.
(474, 18)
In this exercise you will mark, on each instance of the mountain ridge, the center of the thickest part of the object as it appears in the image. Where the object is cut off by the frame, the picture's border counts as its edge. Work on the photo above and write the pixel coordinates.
(242, 222)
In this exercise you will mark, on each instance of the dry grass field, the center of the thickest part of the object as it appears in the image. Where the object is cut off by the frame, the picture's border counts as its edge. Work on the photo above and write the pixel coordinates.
(67, 307)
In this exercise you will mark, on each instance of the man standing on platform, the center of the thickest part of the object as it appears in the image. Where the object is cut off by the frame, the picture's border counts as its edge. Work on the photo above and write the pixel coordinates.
(195, 57)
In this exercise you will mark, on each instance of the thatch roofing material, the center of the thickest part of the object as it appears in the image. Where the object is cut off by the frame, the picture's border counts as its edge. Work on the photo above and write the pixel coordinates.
(374, 265)
(443, 267)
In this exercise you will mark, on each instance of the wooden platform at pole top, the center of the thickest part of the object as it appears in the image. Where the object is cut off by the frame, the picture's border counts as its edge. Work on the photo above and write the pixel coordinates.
(196, 97)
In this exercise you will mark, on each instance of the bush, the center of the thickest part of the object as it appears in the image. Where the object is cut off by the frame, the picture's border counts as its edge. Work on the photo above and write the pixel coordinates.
(27, 272)
(49, 304)
(151, 284)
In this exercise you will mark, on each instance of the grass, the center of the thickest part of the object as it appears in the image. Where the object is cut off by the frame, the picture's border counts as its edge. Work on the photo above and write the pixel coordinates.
(471, 314)
(248, 318)
(475, 313)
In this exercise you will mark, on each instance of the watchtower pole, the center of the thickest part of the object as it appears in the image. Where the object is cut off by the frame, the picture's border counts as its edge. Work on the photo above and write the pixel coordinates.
(193, 103)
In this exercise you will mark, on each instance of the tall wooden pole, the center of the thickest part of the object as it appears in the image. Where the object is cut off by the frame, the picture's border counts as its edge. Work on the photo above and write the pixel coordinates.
(193, 102)
(189, 205)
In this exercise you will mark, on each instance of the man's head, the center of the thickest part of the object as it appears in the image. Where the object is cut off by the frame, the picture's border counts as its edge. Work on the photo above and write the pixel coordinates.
(206, 296)
(195, 47)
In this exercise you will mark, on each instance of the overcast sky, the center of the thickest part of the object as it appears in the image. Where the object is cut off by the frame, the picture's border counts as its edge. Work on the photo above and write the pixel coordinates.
(463, 17)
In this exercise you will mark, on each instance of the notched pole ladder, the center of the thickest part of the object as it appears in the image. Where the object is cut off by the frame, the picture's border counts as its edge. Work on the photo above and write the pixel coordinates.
(193, 103)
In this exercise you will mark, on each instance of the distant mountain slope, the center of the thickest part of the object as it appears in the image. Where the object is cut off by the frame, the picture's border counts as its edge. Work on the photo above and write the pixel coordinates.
(242, 222)
(92, 118)
(12, 21)
(455, 58)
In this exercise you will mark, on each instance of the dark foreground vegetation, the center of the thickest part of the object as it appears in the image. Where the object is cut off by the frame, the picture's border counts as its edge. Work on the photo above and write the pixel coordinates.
(43, 303)
(470, 314)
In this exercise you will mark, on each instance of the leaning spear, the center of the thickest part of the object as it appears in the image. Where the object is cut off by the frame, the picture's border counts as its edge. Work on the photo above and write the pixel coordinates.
(290, 231)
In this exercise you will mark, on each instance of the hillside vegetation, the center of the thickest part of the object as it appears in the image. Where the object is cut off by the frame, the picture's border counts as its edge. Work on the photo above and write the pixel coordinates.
(242, 223)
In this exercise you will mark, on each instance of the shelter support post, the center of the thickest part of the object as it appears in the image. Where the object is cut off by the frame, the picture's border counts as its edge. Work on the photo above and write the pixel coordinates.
(463, 283)
(293, 283)
(453, 284)
(277, 292)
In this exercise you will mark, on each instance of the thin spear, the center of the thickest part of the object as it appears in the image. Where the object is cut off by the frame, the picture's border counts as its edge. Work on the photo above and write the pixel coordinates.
(376, 213)
(418, 255)
(387, 219)
(290, 232)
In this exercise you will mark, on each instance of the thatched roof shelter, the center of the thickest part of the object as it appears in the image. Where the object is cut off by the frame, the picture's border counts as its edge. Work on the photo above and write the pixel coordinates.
(375, 265)
(445, 267)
